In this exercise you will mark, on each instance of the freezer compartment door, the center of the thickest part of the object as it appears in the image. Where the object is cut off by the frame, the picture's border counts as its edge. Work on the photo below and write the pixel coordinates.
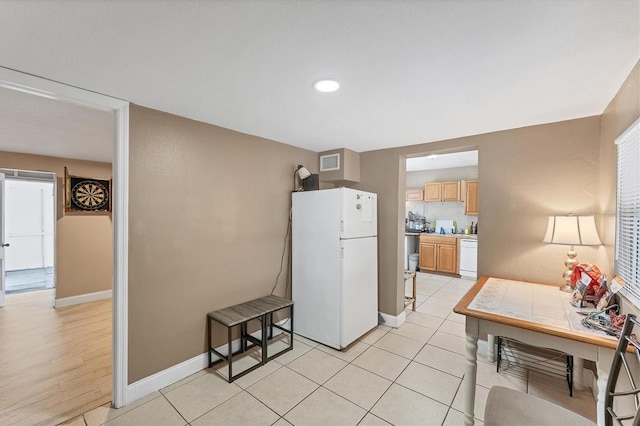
(359, 288)
(359, 213)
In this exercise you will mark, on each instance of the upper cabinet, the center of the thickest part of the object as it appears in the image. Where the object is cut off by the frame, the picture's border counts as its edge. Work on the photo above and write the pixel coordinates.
(471, 198)
(451, 191)
(442, 191)
(415, 195)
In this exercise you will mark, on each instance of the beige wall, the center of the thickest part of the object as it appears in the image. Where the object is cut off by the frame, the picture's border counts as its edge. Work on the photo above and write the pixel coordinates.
(621, 112)
(524, 175)
(208, 216)
(84, 244)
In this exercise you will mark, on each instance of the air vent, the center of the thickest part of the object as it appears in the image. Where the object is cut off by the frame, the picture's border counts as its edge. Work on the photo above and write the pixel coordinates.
(330, 162)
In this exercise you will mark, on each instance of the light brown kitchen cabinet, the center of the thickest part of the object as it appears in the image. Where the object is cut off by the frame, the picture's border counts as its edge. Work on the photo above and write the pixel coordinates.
(415, 195)
(471, 198)
(433, 191)
(442, 191)
(438, 254)
(451, 191)
(428, 256)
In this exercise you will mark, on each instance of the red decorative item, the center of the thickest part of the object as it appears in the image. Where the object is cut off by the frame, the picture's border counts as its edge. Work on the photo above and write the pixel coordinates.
(594, 273)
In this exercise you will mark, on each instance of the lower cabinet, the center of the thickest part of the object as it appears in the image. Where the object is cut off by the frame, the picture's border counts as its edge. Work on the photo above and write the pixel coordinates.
(438, 254)
(428, 255)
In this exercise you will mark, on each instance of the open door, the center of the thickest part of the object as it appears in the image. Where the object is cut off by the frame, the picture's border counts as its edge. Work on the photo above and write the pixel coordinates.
(2, 237)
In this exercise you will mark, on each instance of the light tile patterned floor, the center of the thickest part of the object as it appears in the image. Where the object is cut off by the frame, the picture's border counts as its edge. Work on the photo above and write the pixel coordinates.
(406, 376)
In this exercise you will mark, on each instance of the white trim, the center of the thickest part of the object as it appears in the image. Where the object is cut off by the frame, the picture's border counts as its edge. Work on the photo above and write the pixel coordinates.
(82, 298)
(184, 369)
(166, 377)
(15, 80)
(121, 259)
(392, 321)
(623, 136)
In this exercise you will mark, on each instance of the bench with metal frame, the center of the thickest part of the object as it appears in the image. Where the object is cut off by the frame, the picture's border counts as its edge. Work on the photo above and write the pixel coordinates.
(259, 309)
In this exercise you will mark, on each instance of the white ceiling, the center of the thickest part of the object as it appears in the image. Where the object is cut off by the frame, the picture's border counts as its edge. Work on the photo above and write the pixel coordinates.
(410, 71)
(36, 125)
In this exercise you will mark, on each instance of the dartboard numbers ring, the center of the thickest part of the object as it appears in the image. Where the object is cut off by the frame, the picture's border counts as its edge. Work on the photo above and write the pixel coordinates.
(90, 195)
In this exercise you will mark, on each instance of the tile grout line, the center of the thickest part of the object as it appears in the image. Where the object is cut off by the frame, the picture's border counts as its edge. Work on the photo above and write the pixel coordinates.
(173, 406)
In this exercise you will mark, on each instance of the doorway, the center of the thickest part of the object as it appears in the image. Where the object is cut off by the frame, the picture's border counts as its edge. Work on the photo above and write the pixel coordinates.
(30, 233)
(446, 211)
(22, 82)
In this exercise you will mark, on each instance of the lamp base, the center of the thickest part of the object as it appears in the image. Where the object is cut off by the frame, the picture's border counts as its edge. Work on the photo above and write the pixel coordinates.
(570, 263)
(567, 288)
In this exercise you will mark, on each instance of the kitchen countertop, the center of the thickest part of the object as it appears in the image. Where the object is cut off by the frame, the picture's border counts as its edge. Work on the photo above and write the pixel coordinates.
(435, 234)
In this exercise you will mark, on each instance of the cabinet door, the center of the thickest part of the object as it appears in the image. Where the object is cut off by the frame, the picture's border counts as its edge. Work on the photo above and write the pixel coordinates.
(427, 260)
(415, 195)
(451, 191)
(447, 258)
(471, 198)
(433, 191)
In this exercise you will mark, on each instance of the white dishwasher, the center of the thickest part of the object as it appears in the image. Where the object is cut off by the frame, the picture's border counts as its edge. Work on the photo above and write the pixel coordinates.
(469, 258)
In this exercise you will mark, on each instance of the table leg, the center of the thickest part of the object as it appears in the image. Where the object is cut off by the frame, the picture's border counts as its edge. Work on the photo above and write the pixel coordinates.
(603, 364)
(413, 307)
(243, 336)
(491, 347)
(270, 325)
(578, 382)
(209, 341)
(264, 339)
(470, 370)
(291, 336)
(230, 354)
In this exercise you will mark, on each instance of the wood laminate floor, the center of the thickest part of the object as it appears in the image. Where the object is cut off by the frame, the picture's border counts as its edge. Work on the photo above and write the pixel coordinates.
(54, 363)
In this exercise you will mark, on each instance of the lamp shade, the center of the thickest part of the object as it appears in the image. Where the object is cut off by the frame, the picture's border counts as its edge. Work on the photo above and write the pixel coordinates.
(303, 173)
(572, 230)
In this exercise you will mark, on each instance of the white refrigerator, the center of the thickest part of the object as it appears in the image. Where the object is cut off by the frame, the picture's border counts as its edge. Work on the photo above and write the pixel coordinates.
(334, 265)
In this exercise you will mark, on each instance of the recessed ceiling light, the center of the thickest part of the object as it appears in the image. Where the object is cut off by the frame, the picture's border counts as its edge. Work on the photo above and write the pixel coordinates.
(432, 156)
(326, 85)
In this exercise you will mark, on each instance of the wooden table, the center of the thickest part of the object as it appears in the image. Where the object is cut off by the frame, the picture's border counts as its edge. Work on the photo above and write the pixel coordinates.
(536, 314)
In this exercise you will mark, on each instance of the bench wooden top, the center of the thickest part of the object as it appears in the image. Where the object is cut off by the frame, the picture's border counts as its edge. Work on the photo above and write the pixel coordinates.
(253, 309)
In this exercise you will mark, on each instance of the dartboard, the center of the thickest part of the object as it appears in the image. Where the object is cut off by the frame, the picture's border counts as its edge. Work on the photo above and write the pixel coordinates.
(90, 195)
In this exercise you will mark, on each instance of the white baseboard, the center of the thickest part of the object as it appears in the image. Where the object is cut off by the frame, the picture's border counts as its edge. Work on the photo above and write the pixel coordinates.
(82, 298)
(186, 368)
(166, 377)
(393, 321)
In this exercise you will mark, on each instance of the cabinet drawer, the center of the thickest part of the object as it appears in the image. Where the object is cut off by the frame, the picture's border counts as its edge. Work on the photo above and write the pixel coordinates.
(438, 240)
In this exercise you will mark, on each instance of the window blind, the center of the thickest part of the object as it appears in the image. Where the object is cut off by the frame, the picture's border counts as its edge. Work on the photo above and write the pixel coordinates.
(627, 252)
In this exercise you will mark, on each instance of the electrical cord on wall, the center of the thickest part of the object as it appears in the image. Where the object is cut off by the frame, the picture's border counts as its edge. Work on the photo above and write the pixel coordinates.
(284, 253)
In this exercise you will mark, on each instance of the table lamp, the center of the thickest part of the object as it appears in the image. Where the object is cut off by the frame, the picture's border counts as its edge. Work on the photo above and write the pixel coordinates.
(301, 173)
(573, 231)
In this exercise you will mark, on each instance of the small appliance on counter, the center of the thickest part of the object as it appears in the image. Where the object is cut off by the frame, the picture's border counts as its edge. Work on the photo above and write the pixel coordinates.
(415, 224)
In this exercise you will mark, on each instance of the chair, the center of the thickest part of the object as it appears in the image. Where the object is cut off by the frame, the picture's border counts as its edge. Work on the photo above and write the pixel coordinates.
(509, 407)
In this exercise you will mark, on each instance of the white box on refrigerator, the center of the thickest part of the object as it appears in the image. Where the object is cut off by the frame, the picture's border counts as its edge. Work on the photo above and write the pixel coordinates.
(334, 265)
